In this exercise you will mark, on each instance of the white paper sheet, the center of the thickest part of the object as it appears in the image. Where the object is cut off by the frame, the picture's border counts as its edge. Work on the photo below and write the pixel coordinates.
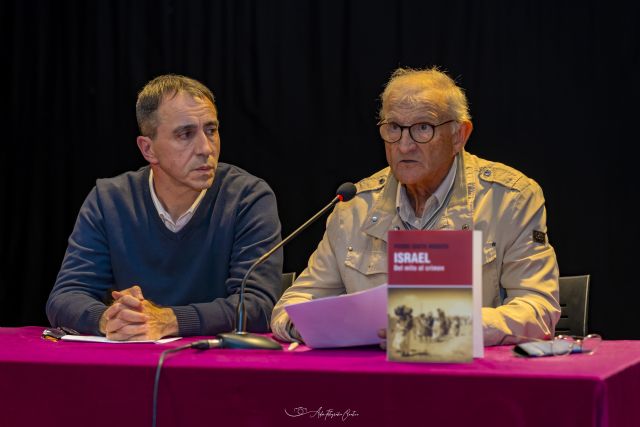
(342, 321)
(91, 338)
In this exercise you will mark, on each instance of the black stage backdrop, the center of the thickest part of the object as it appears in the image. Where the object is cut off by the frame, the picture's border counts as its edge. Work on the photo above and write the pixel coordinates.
(553, 91)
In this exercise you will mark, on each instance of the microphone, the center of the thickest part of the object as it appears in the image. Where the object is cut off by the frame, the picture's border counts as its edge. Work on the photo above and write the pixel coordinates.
(240, 338)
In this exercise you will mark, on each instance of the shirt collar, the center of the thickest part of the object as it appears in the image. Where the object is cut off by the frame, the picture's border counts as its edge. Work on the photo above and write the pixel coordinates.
(184, 219)
(403, 204)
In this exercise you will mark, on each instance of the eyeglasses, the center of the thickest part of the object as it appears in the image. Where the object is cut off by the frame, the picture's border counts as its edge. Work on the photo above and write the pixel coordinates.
(561, 345)
(421, 133)
(567, 344)
(54, 334)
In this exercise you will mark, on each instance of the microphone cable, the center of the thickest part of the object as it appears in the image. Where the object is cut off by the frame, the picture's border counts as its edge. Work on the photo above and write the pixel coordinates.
(201, 345)
(240, 338)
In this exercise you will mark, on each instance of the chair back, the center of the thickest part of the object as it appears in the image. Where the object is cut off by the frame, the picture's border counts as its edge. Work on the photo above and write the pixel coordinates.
(574, 304)
(287, 280)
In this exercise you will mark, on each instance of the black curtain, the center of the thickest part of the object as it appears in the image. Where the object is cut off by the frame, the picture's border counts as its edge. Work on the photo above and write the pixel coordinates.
(552, 87)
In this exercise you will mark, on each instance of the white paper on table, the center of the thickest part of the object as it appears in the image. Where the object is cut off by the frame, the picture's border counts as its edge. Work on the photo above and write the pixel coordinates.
(92, 338)
(342, 321)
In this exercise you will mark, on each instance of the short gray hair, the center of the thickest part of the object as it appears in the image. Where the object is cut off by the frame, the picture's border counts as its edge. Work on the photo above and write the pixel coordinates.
(444, 93)
(154, 92)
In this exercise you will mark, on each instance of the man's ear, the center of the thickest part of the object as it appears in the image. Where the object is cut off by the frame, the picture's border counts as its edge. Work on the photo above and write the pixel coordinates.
(462, 135)
(145, 144)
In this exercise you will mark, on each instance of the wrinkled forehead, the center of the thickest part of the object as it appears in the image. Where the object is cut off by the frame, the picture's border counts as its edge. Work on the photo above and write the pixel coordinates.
(414, 98)
(184, 106)
(189, 98)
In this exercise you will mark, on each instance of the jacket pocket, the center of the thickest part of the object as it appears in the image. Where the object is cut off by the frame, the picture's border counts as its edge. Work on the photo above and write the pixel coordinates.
(367, 263)
(490, 279)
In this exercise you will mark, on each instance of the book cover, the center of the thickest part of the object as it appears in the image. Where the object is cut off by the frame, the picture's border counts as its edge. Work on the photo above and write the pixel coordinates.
(434, 296)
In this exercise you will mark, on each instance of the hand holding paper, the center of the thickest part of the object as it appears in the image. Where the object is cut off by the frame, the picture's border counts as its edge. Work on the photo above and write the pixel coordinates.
(341, 321)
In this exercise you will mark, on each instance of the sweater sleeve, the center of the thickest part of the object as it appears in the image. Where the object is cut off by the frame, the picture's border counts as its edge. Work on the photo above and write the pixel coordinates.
(257, 230)
(85, 275)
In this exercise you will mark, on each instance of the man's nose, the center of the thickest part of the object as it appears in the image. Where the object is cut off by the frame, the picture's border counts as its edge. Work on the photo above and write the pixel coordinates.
(406, 142)
(205, 144)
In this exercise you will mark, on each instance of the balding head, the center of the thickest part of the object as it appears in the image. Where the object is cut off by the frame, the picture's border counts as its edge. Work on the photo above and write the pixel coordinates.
(429, 89)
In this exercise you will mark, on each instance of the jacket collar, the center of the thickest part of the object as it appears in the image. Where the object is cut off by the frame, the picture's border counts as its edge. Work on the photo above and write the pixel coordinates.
(456, 215)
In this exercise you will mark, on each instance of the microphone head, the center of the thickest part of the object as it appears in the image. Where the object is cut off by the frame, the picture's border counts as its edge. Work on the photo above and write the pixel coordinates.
(346, 191)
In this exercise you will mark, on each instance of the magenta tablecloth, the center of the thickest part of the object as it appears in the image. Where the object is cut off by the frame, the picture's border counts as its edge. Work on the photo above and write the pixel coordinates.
(45, 383)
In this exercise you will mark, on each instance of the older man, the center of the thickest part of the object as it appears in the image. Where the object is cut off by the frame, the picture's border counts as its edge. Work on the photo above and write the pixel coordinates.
(432, 183)
(180, 232)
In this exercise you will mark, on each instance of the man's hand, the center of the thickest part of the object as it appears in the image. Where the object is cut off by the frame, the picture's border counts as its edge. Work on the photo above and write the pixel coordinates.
(295, 334)
(382, 333)
(132, 318)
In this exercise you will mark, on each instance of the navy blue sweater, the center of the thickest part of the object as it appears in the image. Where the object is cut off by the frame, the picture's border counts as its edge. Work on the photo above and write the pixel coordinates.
(119, 241)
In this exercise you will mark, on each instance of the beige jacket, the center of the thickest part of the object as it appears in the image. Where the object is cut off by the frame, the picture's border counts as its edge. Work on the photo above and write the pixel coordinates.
(519, 272)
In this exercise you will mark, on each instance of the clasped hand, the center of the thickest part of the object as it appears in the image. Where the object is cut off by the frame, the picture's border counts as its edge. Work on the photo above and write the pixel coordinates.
(133, 318)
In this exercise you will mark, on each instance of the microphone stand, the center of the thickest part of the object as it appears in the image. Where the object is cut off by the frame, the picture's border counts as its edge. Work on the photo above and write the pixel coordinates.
(240, 338)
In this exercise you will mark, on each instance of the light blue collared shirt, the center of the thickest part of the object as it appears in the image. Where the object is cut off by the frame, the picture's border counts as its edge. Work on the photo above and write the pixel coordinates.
(433, 204)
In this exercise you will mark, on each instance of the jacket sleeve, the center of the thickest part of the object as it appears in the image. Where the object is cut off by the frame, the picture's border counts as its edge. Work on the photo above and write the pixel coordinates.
(85, 275)
(320, 279)
(257, 230)
(529, 274)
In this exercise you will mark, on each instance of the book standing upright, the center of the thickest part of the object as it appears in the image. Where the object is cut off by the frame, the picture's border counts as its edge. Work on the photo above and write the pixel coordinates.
(434, 296)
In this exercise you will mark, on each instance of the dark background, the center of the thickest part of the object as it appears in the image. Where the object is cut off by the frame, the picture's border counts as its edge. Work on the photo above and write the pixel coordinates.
(553, 91)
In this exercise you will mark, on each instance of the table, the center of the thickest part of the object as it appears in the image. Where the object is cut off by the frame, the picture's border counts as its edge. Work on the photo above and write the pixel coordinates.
(44, 383)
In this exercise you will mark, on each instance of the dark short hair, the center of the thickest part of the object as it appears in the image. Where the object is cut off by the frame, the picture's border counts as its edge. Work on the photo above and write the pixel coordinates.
(154, 92)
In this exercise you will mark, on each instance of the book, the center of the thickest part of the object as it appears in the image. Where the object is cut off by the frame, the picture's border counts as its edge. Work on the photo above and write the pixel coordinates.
(434, 296)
